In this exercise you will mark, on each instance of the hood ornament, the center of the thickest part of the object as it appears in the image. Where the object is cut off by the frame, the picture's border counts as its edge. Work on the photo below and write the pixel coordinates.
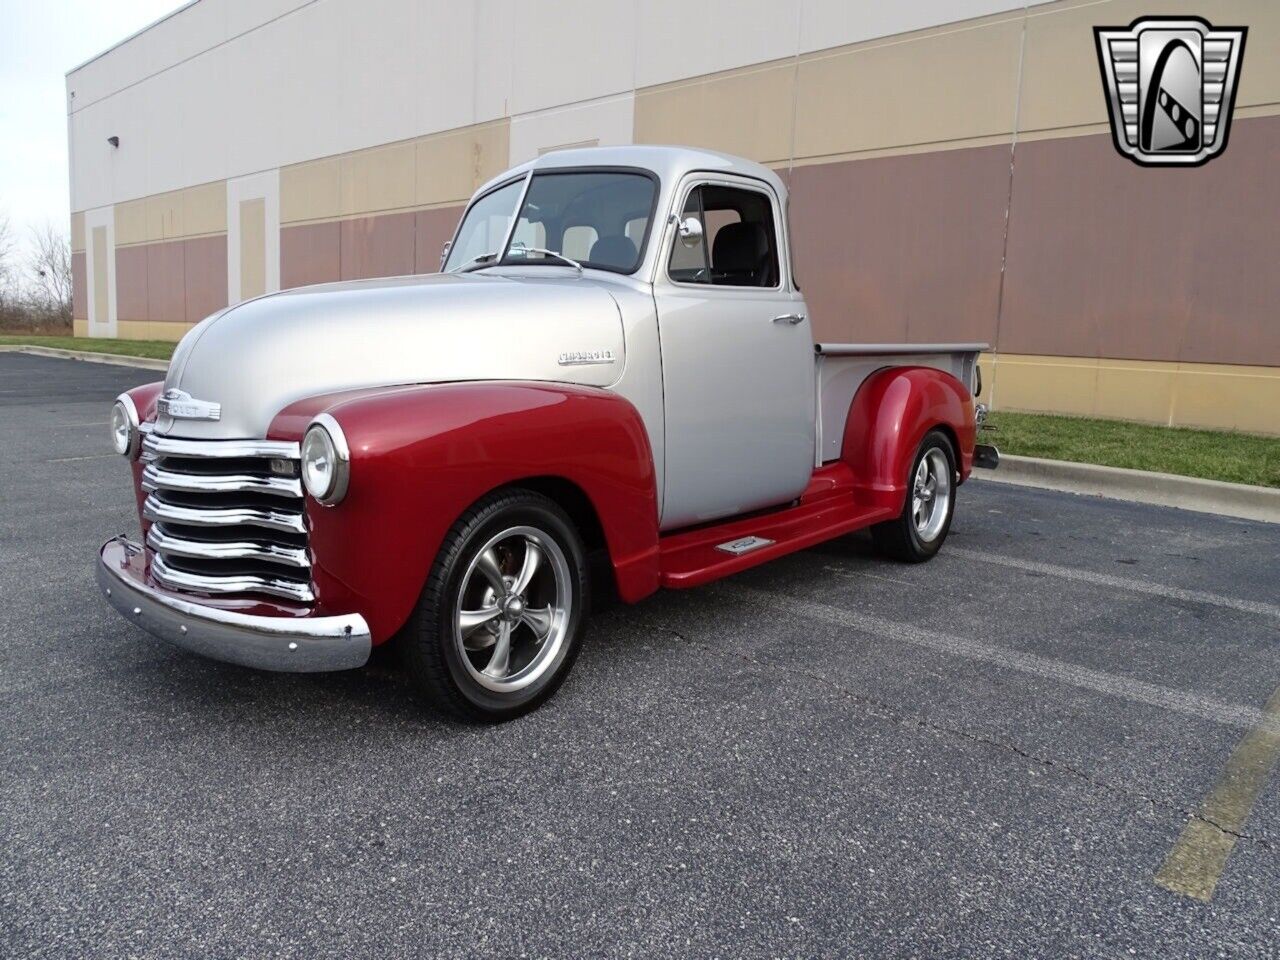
(180, 405)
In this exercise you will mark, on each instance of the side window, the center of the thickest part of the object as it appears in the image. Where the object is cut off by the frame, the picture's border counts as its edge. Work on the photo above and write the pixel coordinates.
(739, 244)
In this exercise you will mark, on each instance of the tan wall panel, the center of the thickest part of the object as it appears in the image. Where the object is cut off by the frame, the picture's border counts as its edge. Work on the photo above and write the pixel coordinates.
(204, 209)
(1135, 391)
(311, 191)
(79, 286)
(378, 179)
(79, 327)
(133, 330)
(100, 292)
(745, 112)
(165, 220)
(449, 167)
(141, 330)
(1213, 396)
(931, 88)
(77, 233)
(1237, 398)
(253, 248)
(131, 222)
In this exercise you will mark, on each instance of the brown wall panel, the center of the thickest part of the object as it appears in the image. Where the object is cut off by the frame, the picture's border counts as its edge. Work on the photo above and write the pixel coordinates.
(205, 264)
(1108, 259)
(131, 283)
(433, 229)
(79, 284)
(310, 253)
(902, 248)
(380, 246)
(166, 282)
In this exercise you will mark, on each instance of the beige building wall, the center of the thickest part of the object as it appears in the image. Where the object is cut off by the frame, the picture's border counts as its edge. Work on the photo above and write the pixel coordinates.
(951, 175)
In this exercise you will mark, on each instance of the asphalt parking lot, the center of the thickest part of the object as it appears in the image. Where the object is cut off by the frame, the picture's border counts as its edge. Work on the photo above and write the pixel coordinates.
(993, 754)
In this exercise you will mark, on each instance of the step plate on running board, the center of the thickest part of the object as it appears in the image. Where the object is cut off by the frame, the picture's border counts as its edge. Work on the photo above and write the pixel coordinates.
(743, 545)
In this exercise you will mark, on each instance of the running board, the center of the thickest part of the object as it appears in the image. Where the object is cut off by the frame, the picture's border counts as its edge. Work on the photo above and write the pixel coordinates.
(695, 557)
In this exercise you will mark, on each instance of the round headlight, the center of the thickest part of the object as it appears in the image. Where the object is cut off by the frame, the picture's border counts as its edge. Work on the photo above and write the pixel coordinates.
(326, 461)
(124, 427)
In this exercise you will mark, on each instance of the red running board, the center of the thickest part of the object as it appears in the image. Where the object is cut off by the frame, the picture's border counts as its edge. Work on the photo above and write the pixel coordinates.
(826, 510)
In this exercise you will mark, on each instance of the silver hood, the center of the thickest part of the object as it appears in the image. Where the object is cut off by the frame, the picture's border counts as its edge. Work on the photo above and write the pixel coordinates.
(256, 358)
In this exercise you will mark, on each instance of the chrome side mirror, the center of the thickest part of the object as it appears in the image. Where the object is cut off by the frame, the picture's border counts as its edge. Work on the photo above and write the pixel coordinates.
(444, 253)
(690, 229)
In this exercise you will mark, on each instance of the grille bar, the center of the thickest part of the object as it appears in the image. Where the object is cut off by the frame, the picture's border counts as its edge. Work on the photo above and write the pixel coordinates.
(174, 579)
(174, 447)
(283, 521)
(164, 542)
(155, 477)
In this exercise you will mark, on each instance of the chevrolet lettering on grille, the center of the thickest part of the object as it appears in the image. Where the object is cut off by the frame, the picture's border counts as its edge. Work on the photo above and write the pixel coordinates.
(182, 406)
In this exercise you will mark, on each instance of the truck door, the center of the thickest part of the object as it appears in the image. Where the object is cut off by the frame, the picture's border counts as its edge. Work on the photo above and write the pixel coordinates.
(737, 355)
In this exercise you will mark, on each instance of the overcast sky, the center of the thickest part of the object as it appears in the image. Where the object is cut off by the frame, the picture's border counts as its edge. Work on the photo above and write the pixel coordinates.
(40, 40)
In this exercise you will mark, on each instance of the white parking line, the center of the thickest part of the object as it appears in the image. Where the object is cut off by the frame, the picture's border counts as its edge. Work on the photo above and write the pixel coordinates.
(1138, 691)
(1120, 583)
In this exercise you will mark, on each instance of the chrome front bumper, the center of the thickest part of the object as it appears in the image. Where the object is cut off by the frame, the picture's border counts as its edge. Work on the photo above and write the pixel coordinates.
(292, 644)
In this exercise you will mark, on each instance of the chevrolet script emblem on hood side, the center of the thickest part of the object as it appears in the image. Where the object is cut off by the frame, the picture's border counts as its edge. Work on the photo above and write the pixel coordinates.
(577, 358)
(180, 405)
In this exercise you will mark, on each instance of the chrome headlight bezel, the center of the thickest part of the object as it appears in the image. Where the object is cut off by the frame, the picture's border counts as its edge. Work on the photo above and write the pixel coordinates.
(126, 429)
(325, 461)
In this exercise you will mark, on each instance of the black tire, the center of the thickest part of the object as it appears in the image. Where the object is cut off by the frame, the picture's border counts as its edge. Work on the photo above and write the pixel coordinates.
(433, 648)
(902, 538)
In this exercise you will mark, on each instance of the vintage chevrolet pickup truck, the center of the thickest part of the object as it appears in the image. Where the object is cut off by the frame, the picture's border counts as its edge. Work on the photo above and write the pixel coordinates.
(614, 362)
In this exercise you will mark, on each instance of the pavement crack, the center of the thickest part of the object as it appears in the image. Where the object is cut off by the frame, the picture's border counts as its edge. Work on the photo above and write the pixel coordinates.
(888, 712)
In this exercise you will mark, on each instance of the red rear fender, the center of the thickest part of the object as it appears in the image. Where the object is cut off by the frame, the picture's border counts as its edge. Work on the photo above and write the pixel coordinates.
(890, 415)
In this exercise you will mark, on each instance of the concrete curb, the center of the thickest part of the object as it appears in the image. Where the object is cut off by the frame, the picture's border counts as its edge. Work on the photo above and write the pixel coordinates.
(1141, 486)
(118, 360)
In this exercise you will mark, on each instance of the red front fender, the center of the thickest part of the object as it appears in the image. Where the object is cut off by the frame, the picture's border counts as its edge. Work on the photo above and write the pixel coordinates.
(421, 455)
(888, 418)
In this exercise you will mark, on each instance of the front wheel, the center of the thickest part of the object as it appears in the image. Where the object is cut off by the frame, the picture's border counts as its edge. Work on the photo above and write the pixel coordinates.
(500, 619)
(918, 532)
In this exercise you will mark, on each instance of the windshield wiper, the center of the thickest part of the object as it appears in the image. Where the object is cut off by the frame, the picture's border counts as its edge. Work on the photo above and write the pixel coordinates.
(525, 251)
(475, 263)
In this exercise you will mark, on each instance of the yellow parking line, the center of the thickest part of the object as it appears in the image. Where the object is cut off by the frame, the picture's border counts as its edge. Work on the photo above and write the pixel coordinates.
(1197, 860)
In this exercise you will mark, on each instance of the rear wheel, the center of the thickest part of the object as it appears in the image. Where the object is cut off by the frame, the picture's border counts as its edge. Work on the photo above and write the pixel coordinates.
(919, 531)
(500, 619)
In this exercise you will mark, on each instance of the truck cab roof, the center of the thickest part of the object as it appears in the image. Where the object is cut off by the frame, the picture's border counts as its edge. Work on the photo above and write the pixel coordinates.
(669, 163)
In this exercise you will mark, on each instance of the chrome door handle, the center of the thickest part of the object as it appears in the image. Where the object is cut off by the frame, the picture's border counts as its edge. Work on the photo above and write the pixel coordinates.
(791, 318)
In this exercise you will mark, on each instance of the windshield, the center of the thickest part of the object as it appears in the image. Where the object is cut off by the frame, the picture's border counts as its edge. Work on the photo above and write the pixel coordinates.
(598, 218)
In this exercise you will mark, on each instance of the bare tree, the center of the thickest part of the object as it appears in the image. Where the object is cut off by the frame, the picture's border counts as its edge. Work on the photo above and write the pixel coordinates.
(8, 272)
(49, 274)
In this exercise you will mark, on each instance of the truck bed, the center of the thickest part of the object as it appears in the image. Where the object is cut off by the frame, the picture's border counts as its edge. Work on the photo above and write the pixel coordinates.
(843, 367)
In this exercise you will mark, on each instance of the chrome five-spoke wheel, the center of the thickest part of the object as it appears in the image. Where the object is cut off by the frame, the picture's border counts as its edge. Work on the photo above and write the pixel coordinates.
(931, 494)
(919, 530)
(500, 619)
(513, 609)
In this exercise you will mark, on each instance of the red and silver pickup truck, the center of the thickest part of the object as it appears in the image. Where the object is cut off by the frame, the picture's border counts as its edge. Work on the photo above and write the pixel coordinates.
(615, 361)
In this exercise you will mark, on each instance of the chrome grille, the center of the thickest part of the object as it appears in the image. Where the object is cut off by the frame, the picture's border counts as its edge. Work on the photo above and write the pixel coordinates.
(226, 517)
